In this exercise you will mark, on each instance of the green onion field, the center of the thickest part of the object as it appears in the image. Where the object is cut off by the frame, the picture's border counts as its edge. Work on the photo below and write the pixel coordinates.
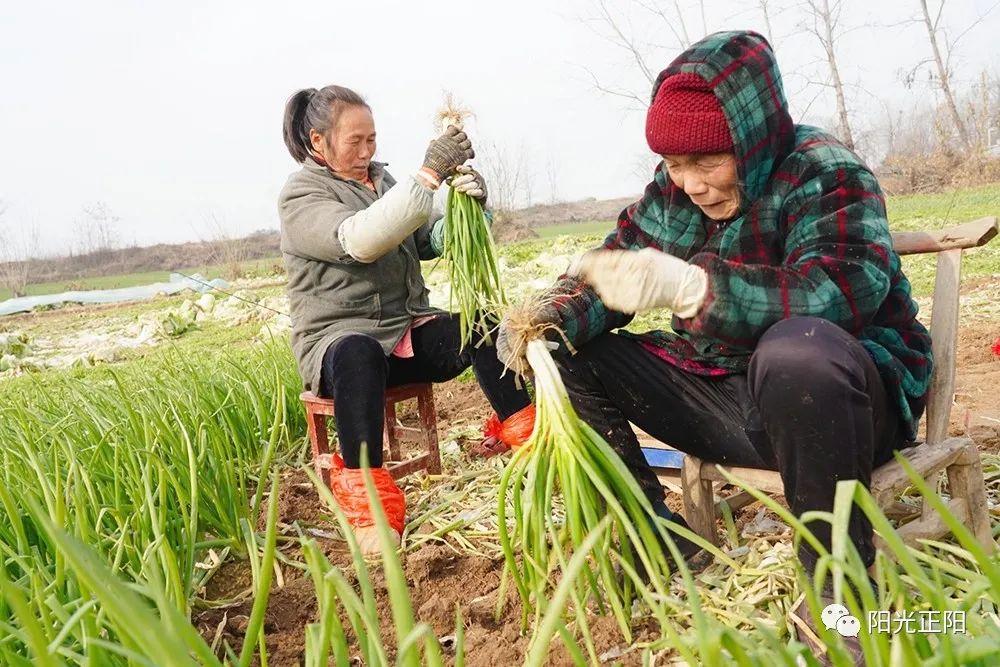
(158, 507)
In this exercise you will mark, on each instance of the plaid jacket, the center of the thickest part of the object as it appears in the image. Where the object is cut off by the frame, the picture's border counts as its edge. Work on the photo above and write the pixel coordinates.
(811, 239)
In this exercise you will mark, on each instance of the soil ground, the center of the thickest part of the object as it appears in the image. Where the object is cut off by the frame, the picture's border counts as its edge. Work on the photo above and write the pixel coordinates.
(442, 578)
(976, 411)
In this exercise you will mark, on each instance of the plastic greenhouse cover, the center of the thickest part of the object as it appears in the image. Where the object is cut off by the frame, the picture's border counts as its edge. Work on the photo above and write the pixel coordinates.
(177, 283)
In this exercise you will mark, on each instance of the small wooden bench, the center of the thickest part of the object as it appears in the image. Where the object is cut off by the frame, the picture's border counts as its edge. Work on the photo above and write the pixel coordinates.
(319, 410)
(957, 457)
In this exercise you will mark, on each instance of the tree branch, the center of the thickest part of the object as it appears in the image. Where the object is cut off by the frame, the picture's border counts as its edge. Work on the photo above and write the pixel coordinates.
(953, 43)
(625, 94)
(684, 40)
(625, 42)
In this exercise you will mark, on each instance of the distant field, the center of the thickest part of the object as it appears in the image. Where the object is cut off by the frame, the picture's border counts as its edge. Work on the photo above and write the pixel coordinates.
(575, 228)
(944, 210)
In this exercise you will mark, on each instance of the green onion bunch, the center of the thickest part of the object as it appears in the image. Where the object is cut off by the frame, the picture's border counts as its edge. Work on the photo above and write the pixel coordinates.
(567, 464)
(476, 290)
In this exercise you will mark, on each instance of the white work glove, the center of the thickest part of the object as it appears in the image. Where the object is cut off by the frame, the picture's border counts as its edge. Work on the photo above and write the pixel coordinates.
(632, 281)
(471, 182)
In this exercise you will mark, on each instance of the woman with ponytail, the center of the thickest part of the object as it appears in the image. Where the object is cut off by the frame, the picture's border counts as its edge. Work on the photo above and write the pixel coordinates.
(352, 239)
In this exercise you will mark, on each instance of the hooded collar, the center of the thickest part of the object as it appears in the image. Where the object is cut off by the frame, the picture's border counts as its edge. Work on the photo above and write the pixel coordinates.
(740, 68)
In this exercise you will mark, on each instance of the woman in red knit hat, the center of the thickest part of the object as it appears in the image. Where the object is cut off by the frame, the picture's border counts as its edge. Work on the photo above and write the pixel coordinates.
(794, 343)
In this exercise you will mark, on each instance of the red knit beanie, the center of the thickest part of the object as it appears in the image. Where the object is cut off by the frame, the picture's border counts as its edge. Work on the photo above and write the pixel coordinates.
(686, 117)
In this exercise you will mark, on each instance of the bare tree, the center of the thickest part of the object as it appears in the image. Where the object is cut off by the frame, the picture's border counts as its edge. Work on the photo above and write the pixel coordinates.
(16, 253)
(228, 249)
(506, 174)
(943, 48)
(823, 22)
(891, 128)
(982, 112)
(509, 180)
(944, 77)
(98, 231)
(765, 9)
(942, 61)
(552, 175)
(659, 19)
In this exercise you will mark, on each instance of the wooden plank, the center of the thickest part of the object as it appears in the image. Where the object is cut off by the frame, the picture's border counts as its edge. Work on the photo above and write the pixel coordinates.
(944, 341)
(668, 476)
(887, 481)
(927, 459)
(414, 464)
(321, 407)
(390, 432)
(699, 500)
(969, 235)
(646, 440)
(409, 434)
(317, 405)
(324, 462)
(933, 526)
(672, 484)
(966, 482)
(319, 438)
(738, 500)
(768, 481)
(428, 424)
(405, 392)
(900, 510)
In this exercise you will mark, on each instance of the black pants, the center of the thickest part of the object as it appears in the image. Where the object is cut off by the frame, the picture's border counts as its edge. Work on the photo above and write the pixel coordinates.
(356, 373)
(811, 406)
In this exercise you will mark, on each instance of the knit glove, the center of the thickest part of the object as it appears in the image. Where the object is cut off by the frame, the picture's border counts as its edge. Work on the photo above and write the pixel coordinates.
(446, 153)
(471, 182)
(632, 281)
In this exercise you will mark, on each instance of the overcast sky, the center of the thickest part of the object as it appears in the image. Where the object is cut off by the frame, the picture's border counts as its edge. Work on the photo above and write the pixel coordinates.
(170, 113)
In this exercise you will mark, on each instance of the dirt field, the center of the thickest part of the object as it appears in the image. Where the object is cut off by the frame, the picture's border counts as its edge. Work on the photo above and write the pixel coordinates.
(442, 577)
(976, 412)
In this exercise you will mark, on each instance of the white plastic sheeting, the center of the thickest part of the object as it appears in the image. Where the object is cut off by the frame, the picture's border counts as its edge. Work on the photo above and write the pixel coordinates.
(176, 284)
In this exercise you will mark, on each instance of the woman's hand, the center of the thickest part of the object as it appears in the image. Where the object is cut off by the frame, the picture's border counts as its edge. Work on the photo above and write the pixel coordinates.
(471, 182)
(446, 153)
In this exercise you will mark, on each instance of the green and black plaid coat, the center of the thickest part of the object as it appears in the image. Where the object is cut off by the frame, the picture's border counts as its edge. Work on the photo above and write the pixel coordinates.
(811, 239)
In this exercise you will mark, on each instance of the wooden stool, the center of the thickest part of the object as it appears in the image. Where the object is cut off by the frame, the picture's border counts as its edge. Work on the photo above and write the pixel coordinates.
(958, 457)
(319, 409)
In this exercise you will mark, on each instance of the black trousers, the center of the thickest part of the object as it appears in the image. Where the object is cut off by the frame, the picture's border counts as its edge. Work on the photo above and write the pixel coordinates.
(356, 373)
(811, 406)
